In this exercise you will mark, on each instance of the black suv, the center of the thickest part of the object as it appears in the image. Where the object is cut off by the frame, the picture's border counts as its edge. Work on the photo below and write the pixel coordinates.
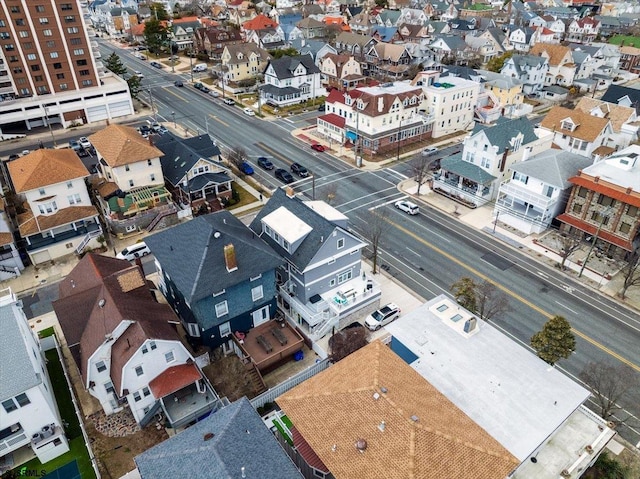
(265, 163)
(284, 175)
(299, 170)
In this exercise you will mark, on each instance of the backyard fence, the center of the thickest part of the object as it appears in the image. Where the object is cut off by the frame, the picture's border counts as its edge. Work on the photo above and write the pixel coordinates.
(271, 394)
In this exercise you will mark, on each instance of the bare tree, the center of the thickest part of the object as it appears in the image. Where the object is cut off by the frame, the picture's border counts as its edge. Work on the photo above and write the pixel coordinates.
(420, 169)
(347, 341)
(375, 225)
(237, 155)
(569, 243)
(490, 301)
(608, 384)
(631, 273)
(328, 192)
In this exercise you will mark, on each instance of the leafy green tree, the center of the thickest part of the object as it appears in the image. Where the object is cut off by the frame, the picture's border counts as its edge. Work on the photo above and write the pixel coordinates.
(609, 468)
(284, 52)
(159, 12)
(155, 35)
(556, 340)
(496, 63)
(134, 85)
(464, 290)
(114, 64)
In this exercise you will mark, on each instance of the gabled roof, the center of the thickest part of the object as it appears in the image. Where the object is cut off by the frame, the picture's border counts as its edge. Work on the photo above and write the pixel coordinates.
(555, 52)
(285, 67)
(320, 227)
(615, 93)
(553, 167)
(455, 164)
(410, 428)
(232, 439)
(588, 127)
(310, 22)
(18, 373)
(453, 42)
(29, 224)
(505, 130)
(617, 114)
(45, 167)
(180, 155)
(240, 52)
(122, 145)
(259, 22)
(173, 379)
(349, 38)
(521, 61)
(199, 270)
(100, 293)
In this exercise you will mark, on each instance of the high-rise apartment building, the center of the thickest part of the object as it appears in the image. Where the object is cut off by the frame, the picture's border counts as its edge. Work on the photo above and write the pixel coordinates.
(48, 70)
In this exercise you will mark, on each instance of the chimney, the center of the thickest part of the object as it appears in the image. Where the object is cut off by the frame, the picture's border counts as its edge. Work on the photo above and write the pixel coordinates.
(503, 160)
(380, 104)
(290, 192)
(230, 258)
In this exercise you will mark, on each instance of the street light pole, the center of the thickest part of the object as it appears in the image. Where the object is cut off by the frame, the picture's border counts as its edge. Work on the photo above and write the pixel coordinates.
(153, 109)
(604, 214)
(173, 116)
(53, 139)
(399, 138)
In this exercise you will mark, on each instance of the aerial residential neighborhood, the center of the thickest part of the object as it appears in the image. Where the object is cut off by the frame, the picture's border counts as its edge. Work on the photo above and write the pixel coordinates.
(319, 239)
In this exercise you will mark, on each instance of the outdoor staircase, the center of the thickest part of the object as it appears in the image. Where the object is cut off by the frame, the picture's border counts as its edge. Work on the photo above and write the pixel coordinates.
(255, 378)
(5, 269)
(88, 237)
(161, 215)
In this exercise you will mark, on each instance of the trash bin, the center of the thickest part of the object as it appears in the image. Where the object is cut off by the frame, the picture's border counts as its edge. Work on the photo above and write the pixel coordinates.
(298, 356)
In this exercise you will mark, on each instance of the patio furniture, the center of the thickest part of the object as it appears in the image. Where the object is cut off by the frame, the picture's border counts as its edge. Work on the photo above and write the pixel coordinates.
(264, 342)
(277, 332)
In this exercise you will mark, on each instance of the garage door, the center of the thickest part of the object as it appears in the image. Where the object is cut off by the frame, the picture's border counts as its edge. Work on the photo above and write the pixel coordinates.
(120, 108)
(41, 257)
(97, 113)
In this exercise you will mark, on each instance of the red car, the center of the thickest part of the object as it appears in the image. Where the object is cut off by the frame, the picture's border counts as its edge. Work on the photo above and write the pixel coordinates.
(318, 147)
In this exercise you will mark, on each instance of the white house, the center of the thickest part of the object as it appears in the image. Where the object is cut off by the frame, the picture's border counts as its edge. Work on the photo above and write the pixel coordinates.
(11, 264)
(624, 120)
(562, 68)
(291, 80)
(537, 190)
(29, 416)
(450, 101)
(474, 175)
(58, 217)
(124, 344)
(530, 70)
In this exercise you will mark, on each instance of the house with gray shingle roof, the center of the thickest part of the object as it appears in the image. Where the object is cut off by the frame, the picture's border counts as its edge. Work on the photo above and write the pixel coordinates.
(193, 171)
(537, 190)
(233, 442)
(474, 175)
(529, 69)
(290, 80)
(125, 345)
(217, 275)
(29, 419)
(321, 282)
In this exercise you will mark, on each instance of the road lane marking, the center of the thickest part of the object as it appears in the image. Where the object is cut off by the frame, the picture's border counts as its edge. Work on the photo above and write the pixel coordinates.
(540, 273)
(170, 91)
(274, 153)
(566, 307)
(397, 173)
(218, 120)
(514, 295)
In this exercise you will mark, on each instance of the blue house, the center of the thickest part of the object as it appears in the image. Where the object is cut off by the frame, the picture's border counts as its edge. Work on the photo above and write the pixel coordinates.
(217, 275)
(233, 442)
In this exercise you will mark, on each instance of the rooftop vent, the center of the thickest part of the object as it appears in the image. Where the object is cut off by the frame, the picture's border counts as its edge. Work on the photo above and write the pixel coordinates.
(101, 303)
(382, 426)
(361, 445)
(208, 436)
(216, 234)
(383, 390)
(376, 396)
(414, 418)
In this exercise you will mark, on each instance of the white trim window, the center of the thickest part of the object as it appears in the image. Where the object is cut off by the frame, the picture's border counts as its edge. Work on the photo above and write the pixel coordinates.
(169, 357)
(345, 276)
(340, 244)
(193, 329)
(257, 293)
(222, 308)
(225, 329)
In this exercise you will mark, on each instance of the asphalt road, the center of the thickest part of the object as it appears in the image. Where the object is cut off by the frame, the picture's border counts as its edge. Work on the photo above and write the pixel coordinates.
(427, 252)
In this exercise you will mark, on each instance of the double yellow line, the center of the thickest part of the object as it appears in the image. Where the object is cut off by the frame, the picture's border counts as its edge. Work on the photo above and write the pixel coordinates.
(516, 296)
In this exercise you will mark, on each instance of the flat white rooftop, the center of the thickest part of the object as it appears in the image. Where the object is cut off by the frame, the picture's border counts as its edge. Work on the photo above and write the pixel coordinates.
(390, 88)
(515, 396)
(449, 84)
(621, 169)
(287, 225)
(325, 210)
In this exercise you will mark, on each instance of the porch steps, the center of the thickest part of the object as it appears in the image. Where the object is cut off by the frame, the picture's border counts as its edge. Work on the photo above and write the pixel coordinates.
(6, 269)
(88, 237)
(255, 378)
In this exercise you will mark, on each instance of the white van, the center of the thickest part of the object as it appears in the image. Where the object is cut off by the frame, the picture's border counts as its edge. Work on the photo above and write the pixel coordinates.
(132, 252)
(200, 67)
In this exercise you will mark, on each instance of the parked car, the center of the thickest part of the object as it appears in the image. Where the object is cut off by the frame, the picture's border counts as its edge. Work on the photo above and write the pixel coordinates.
(321, 108)
(299, 170)
(407, 207)
(198, 86)
(246, 168)
(382, 317)
(205, 89)
(265, 163)
(75, 146)
(318, 147)
(178, 83)
(84, 142)
(144, 130)
(229, 101)
(132, 252)
(284, 175)
(138, 74)
(249, 111)
(14, 156)
(155, 64)
(430, 150)
(214, 94)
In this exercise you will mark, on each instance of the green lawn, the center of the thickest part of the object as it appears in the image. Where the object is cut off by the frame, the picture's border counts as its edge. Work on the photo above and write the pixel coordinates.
(45, 333)
(77, 450)
(285, 431)
(629, 40)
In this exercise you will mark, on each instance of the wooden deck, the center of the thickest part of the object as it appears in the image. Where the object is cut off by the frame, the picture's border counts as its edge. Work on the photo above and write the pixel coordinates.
(270, 344)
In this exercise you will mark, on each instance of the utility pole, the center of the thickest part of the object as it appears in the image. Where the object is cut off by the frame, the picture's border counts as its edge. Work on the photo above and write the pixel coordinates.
(191, 63)
(355, 143)
(153, 109)
(173, 116)
(399, 137)
(605, 215)
(46, 112)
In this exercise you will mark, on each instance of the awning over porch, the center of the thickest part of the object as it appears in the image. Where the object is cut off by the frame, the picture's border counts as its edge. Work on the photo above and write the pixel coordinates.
(174, 379)
(466, 170)
(333, 119)
(207, 179)
(277, 92)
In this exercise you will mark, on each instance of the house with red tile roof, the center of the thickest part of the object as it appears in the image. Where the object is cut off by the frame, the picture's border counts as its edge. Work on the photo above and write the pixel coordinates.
(126, 346)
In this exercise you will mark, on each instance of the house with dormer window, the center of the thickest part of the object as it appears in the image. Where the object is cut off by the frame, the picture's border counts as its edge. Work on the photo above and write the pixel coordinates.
(131, 188)
(55, 217)
(388, 60)
(213, 40)
(125, 345)
(562, 68)
(183, 31)
(290, 80)
(194, 173)
(224, 282)
(340, 71)
(577, 131)
(321, 284)
(583, 30)
(624, 120)
(520, 38)
(474, 175)
(529, 69)
(243, 61)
